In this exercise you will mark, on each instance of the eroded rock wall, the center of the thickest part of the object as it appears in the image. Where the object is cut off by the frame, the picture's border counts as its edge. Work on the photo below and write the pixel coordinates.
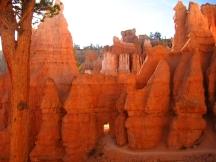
(146, 119)
(188, 125)
(90, 105)
(49, 141)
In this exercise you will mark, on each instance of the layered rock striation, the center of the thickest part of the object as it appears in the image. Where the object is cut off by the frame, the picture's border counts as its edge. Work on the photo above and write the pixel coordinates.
(146, 119)
(49, 142)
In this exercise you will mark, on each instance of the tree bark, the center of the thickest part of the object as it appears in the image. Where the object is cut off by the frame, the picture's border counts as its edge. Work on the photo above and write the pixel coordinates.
(17, 54)
(19, 147)
(18, 65)
(19, 131)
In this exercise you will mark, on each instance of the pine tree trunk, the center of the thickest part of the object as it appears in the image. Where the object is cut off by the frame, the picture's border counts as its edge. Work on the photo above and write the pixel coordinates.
(18, 65)
(19, 146)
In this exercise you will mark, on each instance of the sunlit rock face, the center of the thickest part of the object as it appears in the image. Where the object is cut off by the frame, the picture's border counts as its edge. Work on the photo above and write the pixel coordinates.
(153, 57)
(52, 56)
(109, 64)
(52, 53)
(210, 11)
(194, 29)
(126, 55)
(197, 23)
(124, 63)
(190, 81)
(199, 35)
(180, 20)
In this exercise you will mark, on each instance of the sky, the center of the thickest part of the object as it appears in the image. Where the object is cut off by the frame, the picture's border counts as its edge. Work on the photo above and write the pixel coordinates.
(97, 21)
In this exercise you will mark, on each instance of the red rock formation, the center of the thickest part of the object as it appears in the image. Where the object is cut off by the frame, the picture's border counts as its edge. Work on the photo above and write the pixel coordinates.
(97, 65)
(211, 78)
(120, 129)
(197, 25)
(154, 55)
(196, 21)
(52, 54)
(120, 47)
(199, 35)
(180, 20)
(124, 63)
(178, 78)
(211, 75)
(137, 61)
(129, 36)
(48, 145)
(210, 12)
(92, 62)
(189, 125)
(192, 31)
(146, 119)
(147, 44)
(51, 57)
(126, 55)
(90, 105)
(190, 97)
(109, 64)
(127, 83)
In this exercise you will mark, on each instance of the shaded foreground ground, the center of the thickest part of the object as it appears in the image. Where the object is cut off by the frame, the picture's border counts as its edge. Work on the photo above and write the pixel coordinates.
(108, 151)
